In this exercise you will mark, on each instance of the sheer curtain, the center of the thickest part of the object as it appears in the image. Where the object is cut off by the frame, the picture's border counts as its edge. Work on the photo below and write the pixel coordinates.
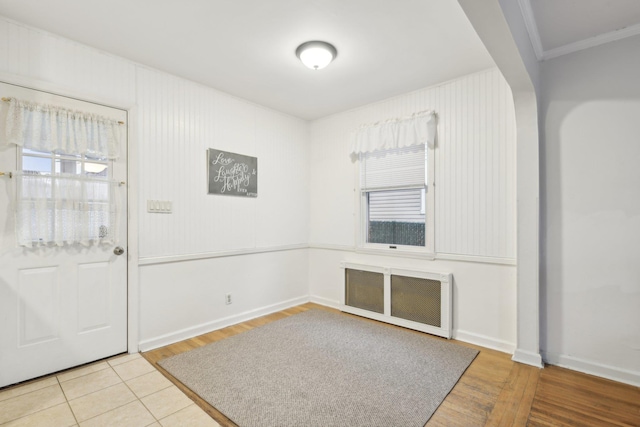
(56, 208)
(65, 209)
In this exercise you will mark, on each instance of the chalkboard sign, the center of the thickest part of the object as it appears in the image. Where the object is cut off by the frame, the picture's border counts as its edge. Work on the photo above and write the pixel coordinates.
(232, 174)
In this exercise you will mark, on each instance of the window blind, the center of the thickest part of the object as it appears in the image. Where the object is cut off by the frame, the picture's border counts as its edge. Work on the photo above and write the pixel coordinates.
(393, 169)
(396, 205)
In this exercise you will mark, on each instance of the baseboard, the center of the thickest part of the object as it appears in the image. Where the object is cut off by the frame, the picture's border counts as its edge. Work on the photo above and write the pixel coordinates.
(204, 328)
(477, 339)
(528, 358)
(484, 341)
(325, 301)
(593, 368)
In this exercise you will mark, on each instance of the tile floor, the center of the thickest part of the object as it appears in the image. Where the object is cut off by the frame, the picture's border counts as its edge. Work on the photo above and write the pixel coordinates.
(122, 391)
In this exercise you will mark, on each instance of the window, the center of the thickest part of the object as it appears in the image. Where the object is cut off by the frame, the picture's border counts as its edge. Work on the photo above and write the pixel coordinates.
(64, 191)
(44, 163)
(395, 217)
(64, 198)
(396, 201)
(396, 182)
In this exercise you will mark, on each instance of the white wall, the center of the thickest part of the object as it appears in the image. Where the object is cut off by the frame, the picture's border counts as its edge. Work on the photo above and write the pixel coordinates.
(178, 120)
(174, 122)
(184, 299)
(475, 200)
(474, 166)
(591, 210)
(81, 69)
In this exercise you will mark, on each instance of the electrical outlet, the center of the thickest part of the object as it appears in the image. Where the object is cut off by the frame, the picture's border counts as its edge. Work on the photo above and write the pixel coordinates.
(227, 299)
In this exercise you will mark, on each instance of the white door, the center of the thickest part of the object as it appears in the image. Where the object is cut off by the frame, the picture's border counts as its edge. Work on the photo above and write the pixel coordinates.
(59, 306)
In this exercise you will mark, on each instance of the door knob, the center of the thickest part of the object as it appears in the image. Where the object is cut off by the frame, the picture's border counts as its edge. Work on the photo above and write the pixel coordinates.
(118, 250)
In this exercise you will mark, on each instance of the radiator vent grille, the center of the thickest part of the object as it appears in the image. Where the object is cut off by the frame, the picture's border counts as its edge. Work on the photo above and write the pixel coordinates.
(412, 298)
(416, 299)
(365, 290)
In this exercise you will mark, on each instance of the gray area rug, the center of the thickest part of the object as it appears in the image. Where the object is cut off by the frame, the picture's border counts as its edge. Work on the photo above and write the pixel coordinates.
(324, 369)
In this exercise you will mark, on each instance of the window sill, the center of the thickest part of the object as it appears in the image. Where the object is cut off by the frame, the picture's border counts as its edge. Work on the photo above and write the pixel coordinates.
(400, 252)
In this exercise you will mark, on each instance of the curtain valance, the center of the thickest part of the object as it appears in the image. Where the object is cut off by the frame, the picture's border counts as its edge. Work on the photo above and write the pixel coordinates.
(49, 128)
(417, 129)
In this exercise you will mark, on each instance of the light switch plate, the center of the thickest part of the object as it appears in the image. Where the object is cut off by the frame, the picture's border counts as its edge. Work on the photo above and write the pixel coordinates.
(159, 206)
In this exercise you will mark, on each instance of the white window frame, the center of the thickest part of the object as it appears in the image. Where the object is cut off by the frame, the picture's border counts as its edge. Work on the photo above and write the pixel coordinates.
(428, 251)
(82, 159)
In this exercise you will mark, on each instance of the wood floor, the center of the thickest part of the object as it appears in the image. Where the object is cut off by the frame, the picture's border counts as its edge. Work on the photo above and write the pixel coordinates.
(494, 391)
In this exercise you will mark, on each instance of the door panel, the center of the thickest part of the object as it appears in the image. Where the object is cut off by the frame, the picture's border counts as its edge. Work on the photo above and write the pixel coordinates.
(38, 306)
(93, 296)
(59, 306)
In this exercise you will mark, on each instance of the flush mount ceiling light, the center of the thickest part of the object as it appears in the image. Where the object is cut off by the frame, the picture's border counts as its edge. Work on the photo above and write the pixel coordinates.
(316, 54)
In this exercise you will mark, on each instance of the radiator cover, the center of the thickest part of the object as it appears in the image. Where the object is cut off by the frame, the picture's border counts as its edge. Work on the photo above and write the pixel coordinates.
(414, 299)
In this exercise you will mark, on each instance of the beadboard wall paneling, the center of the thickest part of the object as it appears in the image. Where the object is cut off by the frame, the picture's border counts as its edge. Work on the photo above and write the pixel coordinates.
(178, 121)
(28, 52)
(475, 166)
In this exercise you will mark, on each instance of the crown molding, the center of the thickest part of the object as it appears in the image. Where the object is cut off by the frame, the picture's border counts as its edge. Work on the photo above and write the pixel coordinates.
(612, 36)
(543, 55)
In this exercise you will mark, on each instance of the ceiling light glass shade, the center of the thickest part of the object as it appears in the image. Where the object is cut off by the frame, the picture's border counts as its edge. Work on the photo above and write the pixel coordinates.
(94, 167)
(316, 54)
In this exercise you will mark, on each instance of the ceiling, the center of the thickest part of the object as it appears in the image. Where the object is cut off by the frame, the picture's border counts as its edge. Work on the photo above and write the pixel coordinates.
(247, 48)
(558, 27)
